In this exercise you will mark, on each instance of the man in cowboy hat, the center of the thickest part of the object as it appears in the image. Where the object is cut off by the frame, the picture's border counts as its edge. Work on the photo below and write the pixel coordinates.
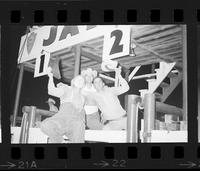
(91, 110)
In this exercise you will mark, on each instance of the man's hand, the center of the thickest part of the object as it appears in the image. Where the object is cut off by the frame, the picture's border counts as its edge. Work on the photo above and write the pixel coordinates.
(49, 72)
(118, 71)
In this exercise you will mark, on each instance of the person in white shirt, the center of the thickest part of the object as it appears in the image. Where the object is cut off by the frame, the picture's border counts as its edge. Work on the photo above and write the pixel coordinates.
(91, 109)
(70, 119)
(109, 104)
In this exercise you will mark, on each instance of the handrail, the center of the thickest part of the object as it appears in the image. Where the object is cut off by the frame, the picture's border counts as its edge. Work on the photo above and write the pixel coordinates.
(38, 111)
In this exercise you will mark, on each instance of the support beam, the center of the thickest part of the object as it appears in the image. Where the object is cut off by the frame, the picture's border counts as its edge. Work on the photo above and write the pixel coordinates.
(144, 76)
(168, 109)
(184, 53)
(27, 109)
(18, 92)
(91, 55)
(77, 60)
(133, 73)
(61, 52)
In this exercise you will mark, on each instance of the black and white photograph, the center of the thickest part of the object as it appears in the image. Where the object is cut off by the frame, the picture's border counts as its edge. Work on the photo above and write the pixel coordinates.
(98, 84)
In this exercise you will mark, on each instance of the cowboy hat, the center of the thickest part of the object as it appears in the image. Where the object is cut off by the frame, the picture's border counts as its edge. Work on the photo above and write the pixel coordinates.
(60, 84)
(89, 72)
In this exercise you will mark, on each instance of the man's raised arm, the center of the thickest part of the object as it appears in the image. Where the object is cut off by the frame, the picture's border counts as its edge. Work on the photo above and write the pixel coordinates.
(52, 90)
(123, 85)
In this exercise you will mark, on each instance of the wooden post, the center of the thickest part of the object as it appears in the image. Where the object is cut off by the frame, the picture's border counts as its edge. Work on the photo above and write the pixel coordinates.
(184, 54)
(149, 115)
(77, 60)
(19, 85)
(132, 118)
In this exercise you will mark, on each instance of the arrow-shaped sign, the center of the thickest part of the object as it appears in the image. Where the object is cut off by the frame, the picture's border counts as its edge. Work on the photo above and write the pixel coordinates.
(9, 165)
(102, 164)
(189, 164)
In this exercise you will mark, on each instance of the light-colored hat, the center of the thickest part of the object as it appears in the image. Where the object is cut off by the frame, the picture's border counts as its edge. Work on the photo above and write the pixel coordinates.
(60, 84)
(109, 65)
(89, 72)
(50, 100)
(75, 78)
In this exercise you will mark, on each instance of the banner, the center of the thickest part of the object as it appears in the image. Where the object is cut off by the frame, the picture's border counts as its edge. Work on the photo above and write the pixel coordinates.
(55, 38)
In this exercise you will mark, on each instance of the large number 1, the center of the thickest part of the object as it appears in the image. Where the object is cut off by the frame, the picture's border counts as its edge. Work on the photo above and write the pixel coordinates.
(116, 48)
(42, 58)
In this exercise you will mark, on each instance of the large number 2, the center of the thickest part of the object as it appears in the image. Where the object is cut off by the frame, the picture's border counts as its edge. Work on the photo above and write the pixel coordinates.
(116, 48)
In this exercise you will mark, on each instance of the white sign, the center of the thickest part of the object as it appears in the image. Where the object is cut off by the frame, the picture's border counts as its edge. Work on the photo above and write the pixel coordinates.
(55, 38)
(116, 42)
(41, 64)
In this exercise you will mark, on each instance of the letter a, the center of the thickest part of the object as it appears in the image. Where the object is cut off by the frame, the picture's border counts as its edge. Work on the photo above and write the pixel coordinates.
(72, 30)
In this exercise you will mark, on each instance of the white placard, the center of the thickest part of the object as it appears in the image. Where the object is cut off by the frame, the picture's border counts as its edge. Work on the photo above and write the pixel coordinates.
(116, 42)
(41, 64)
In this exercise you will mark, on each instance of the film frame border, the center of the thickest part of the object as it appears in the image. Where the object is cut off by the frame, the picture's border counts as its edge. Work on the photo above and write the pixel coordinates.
(189, 16)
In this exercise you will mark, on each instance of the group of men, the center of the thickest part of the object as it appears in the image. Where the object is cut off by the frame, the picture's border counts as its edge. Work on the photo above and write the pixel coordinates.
(80, 104)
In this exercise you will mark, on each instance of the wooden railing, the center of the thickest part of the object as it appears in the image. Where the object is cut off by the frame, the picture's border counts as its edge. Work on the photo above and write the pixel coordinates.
(30, 116)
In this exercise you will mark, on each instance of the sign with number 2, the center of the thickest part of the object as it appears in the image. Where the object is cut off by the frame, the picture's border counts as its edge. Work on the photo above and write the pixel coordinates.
(116, 43)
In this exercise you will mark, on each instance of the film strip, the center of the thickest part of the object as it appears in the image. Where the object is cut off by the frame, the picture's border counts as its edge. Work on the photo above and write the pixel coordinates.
(149, 41)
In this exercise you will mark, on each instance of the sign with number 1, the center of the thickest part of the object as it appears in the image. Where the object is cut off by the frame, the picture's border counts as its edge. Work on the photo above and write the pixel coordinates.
(116, 43)
(41, 64)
